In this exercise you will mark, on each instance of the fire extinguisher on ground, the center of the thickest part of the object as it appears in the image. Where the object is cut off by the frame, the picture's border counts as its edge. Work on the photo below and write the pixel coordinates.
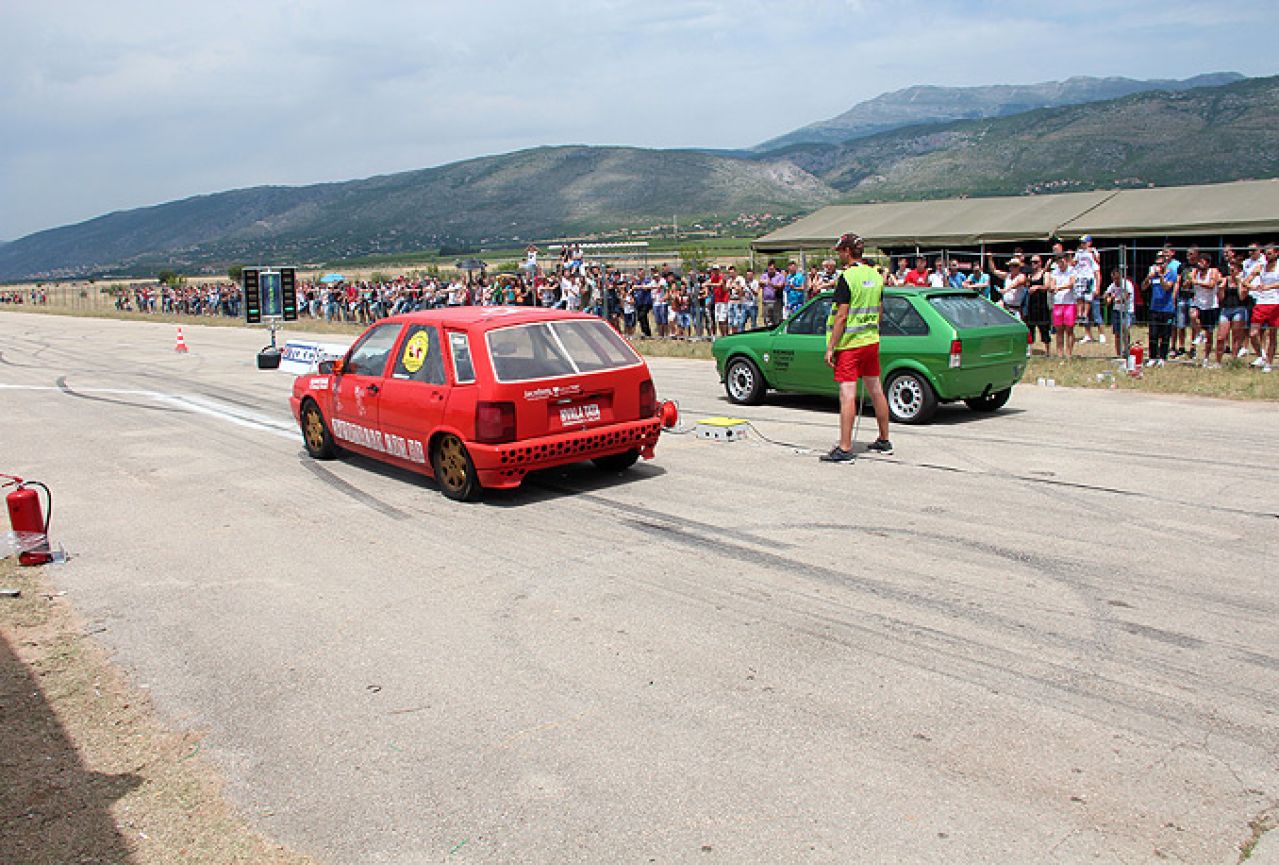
(1135, 355)
(30, 525)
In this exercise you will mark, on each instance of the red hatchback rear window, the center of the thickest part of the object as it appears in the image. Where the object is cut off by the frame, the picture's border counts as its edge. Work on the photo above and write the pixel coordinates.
(557, 348)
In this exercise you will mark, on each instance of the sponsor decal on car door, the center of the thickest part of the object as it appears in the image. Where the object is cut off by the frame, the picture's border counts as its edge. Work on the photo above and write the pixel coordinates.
(799, 351)
(414, 394)
(358, 391)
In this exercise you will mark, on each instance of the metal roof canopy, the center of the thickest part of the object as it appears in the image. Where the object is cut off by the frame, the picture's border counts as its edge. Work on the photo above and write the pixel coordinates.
(1245, 207)
(1222, 208)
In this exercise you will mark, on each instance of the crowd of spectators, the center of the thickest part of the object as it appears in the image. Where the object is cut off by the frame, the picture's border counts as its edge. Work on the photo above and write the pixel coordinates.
(1198, 303)
(1233, 303)
(1229, 306)
(652, 302)
(221, 298)
(33, 296)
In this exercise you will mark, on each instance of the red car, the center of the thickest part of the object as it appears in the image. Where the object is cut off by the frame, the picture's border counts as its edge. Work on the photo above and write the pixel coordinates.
(481, 396)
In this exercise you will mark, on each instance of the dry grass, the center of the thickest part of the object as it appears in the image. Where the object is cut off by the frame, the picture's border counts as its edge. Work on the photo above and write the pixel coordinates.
(87, 773)
(672, 348)
(1095, 366)
(1235, 379)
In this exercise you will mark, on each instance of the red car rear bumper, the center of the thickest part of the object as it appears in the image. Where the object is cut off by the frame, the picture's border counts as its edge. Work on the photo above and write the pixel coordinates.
(504, 466)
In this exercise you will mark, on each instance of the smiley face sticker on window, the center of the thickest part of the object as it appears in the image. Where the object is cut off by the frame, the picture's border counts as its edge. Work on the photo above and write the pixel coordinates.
(415, 351)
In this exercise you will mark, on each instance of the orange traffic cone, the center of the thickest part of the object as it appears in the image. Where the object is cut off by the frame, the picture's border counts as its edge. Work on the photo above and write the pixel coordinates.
(181, 346)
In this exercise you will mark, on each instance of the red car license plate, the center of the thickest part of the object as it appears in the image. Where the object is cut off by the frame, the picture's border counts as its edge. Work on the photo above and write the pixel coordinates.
(579, 413)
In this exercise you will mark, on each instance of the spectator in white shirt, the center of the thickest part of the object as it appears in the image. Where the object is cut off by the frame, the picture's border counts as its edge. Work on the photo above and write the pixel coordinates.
(937, 276)
(1120, 295)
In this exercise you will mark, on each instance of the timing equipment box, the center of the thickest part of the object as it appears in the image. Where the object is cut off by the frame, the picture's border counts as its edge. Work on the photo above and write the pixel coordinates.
(722, 429)
(270, 293)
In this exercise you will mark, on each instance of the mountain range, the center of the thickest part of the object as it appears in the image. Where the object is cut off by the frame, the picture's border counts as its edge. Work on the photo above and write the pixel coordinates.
(929, 104)
(1205, 135)
(1174, 136)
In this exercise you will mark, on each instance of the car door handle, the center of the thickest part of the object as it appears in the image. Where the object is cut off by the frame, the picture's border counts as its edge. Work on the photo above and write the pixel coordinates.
(373, 388)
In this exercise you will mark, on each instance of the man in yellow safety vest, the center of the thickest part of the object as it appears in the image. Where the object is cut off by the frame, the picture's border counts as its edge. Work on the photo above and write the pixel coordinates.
(852, 345)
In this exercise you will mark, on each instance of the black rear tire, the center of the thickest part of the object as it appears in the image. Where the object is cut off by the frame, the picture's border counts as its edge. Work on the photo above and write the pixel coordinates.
(990, 402)
(315, 433)
(617, 462)
(911, 399)
(743, 382)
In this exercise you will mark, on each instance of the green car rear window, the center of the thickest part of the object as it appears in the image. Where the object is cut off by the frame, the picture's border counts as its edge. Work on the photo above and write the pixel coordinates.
(965, 311)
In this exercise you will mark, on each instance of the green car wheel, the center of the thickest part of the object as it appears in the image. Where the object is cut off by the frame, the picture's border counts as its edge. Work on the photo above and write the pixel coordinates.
(743, 382)
(910, 398)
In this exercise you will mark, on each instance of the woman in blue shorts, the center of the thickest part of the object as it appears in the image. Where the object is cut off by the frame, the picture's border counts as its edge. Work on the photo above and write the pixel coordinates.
(1232, 325)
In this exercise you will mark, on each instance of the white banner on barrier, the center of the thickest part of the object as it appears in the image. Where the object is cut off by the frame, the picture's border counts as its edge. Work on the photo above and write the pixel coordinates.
(301, 357)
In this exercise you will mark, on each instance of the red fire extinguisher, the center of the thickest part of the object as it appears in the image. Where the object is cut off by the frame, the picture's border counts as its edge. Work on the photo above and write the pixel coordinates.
(1135, 355)
(28, 520)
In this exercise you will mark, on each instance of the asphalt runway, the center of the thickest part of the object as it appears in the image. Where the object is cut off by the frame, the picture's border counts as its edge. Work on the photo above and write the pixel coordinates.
(1046, 635)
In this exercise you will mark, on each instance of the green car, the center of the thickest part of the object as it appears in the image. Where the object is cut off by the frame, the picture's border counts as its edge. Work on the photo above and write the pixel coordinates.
(936, 345)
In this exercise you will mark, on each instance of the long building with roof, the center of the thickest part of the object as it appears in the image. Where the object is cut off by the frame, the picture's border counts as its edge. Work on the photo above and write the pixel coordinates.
(1127, 224)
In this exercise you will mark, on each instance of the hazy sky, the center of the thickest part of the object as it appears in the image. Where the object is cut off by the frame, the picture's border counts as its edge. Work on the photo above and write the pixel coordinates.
(112, 105)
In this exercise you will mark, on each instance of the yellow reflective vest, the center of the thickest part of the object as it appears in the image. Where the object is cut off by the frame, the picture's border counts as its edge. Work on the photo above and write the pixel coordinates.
(867, 289)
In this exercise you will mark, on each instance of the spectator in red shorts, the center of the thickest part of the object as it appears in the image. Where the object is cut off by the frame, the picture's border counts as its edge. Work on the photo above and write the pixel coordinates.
(852, 346)
(1264, 287)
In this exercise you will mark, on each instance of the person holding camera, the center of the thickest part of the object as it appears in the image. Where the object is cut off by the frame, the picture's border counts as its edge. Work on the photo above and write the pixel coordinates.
(1161, 281)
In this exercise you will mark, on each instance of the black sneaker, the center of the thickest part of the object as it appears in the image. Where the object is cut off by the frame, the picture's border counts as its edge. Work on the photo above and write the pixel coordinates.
(883, 446)
(837, 455)
(1192, 354)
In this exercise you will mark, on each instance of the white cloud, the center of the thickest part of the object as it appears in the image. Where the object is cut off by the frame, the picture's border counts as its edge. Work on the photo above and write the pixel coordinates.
(115, 105)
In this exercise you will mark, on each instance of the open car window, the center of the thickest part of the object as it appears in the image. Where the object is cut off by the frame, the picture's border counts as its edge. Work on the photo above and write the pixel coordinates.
(969, 310)
(549, 349)
(370, 354)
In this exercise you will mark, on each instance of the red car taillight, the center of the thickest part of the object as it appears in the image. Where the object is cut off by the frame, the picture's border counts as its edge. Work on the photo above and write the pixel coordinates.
(1030, 342)
(494, 422)
(648, 398)
(956, 353)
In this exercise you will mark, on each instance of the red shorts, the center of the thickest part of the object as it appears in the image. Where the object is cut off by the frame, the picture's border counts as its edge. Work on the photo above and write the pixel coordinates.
(1265, 315)
(854, 363)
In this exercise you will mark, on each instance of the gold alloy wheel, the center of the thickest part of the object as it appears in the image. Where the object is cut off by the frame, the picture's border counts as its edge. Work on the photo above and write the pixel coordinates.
(452, 463)
(313, 430)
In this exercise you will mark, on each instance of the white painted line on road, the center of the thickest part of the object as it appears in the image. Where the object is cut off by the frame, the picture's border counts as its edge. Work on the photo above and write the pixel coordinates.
(230, 414)
(111, 390)
(187, 402)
